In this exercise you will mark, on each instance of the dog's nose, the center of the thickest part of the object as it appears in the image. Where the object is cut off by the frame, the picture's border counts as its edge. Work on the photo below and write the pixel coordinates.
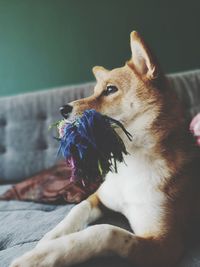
(65, 110)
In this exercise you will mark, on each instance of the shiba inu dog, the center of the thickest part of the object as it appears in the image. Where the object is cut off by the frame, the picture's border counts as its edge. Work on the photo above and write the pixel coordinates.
(158, 188)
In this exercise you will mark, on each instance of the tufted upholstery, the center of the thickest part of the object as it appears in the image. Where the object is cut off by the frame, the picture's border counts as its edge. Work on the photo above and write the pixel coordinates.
(187, 87)
(26, 145)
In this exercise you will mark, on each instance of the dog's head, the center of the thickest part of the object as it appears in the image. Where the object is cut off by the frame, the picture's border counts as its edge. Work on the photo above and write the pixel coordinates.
(131, 94)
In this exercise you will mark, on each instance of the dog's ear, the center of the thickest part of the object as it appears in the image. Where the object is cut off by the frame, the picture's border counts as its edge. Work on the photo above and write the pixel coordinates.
(99, 72)
(142, 60)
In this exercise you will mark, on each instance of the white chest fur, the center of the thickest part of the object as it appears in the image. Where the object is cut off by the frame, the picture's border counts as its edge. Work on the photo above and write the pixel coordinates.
(134, 191)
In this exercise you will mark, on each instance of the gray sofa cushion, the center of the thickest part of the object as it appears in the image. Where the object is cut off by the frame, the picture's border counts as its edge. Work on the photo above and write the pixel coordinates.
(187, 87)
(24, 223)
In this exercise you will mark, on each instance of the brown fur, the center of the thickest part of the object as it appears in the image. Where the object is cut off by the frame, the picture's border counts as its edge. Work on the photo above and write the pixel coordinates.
(173, 143)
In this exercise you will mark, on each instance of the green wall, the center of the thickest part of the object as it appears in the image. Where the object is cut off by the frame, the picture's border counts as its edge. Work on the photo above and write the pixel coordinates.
(47, 43)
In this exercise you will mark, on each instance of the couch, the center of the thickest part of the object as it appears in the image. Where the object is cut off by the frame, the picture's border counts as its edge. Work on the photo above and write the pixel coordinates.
(27, 147)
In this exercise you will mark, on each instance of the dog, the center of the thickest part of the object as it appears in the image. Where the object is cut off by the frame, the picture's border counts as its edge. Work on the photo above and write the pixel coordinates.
(158, 188)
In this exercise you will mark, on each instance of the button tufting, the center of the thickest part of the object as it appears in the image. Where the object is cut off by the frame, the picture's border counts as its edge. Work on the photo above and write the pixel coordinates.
(42, 116)
(2, 149)
(45, 146)
(42, 146)
(2, 122)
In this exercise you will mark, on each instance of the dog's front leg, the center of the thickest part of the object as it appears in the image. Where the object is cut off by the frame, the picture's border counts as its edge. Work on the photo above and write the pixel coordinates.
(102, 240)
(78, 247)
(80, 216)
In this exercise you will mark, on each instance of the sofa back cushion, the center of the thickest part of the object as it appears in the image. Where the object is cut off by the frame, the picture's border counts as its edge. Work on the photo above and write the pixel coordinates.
(26, 144)
(187, 87)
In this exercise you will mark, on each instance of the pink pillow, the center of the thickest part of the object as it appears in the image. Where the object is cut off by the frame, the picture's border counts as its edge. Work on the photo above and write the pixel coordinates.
(195, 127)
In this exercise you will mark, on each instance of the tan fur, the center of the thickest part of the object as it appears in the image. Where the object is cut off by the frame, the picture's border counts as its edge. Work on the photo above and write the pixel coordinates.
(94, 200)
(158, 190)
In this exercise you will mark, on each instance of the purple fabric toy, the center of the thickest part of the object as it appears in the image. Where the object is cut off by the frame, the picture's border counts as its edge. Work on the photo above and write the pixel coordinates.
(91, 145)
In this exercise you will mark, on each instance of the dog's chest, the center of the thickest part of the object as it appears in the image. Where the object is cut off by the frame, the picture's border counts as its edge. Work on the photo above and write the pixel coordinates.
(134, 191)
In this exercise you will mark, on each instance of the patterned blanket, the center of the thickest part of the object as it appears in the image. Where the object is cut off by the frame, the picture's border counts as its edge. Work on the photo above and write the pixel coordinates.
(51, 186)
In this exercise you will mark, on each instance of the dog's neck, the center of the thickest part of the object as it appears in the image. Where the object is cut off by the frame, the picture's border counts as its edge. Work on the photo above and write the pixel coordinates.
(159, 139)
(140, 129)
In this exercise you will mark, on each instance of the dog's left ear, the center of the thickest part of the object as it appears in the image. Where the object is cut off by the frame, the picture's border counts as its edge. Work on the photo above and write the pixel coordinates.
(142, 59)
(99, 72)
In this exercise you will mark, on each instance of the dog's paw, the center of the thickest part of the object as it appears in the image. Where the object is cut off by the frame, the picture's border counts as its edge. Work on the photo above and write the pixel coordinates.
(14, 264)
(27, 260)
(17, 263)
(34, 258)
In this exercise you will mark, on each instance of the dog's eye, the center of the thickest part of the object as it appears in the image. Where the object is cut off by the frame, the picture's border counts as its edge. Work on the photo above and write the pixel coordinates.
(111, 89)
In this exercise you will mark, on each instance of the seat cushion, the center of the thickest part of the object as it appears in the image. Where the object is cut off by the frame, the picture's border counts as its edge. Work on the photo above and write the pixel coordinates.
(24, 223)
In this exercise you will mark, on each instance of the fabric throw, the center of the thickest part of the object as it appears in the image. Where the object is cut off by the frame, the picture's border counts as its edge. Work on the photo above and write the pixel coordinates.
(195, 128)
(53, 186)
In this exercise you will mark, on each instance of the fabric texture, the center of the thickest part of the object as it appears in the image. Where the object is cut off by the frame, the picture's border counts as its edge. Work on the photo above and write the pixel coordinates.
(26, 148)
(51, 186)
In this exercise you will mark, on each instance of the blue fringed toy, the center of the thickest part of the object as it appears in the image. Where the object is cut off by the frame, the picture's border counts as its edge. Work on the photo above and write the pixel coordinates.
(91, 146)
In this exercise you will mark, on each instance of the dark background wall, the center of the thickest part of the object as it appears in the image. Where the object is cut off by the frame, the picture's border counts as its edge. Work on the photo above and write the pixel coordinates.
(47, 43)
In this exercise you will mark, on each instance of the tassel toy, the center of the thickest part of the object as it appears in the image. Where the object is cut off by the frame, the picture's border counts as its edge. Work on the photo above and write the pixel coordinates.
(91, 145)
